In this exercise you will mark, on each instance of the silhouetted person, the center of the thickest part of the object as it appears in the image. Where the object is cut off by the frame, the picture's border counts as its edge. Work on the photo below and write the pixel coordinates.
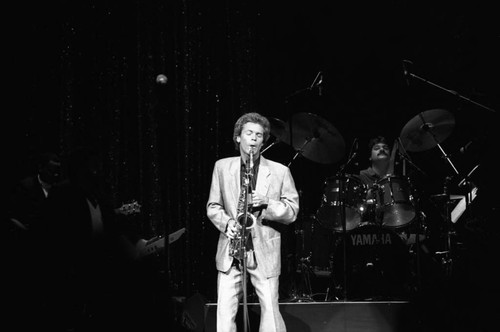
(85, 245)
(23, 216)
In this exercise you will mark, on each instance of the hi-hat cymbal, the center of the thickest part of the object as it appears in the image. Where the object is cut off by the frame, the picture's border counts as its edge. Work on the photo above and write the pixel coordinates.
(427, 129)
(278, 127)
(314, 138)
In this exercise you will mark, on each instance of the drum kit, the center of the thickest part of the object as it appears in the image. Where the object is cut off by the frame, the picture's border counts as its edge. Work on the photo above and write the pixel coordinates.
(370, 255)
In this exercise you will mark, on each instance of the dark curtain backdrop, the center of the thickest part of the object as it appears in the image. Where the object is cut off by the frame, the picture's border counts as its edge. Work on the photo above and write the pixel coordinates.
(85, 73)
(95, 83)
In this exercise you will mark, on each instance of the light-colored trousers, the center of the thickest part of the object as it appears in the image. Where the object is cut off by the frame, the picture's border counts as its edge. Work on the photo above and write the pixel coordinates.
(230, 293)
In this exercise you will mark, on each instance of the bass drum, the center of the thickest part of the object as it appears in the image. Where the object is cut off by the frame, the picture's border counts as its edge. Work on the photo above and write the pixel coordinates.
(377, 264)
(338, 192)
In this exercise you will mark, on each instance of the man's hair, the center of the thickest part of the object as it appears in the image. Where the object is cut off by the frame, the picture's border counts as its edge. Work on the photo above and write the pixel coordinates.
(49, 167)
(376, 140)
(254, 118)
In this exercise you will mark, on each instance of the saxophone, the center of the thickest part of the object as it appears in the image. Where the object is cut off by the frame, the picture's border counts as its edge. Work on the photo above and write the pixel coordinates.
(244, 220)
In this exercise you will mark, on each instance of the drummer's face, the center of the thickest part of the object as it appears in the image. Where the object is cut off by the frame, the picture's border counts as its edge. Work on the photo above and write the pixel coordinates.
(379, 151)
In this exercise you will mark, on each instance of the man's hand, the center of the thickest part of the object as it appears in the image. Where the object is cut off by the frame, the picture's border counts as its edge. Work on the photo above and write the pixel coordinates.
(232, 228)
(258, 199)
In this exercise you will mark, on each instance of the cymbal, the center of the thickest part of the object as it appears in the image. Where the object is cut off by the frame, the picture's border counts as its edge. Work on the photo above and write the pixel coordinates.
(315, 138)
(427, 129)
(278, 127)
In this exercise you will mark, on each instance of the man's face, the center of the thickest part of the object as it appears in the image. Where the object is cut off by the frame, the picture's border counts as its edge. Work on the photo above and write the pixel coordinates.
(252, 136)
(51, 173)
(380, 151)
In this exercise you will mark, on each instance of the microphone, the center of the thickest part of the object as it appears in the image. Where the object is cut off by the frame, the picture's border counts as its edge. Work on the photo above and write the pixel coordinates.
(475, 145)
(318, 81)
(406, 71)
(466, 147)
(320, 84)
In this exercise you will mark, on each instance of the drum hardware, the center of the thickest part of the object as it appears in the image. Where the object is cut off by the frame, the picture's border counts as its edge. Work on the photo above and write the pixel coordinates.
(340, 211)
(342, 203)
(312, 246)
(427, 130)
(278, 130)
(406, 159)
(446, 256)
(302, 266)
(395, 201)
(314, 138)
(305, 270)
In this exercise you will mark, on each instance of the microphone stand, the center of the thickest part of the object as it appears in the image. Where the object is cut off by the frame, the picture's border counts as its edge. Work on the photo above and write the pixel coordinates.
(456, 94)
(247, 184)
(318, 80)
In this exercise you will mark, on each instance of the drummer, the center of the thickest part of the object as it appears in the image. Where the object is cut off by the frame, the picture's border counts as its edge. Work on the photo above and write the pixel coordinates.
(381, 165)
(379, 159)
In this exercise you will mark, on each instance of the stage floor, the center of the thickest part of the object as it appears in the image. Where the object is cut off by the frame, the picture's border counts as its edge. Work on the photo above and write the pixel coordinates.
(352, 316)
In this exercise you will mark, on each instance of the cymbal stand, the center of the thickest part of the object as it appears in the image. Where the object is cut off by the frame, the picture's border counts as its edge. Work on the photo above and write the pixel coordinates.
(344, 237)
(407, 159)
(447, 260)
(447, 257)
(301, 149)
(305, 270)
(428, 129)
(341, 176)
(420, 215)
(277, 141)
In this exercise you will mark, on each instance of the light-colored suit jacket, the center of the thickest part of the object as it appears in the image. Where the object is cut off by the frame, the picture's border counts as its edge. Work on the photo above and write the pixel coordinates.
(275, 181)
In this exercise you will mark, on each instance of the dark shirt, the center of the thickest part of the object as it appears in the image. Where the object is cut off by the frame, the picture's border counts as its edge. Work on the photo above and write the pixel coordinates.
(369, 177)
(255, 172)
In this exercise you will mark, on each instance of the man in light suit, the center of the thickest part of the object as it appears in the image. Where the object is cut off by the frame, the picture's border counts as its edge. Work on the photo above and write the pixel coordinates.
(272, 200)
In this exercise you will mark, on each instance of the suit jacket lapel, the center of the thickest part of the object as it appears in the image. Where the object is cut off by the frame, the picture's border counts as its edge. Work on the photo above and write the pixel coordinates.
(234, 170)
(262, 185)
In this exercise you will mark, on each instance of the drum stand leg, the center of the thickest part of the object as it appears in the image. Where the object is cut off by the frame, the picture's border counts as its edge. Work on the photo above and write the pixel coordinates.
(447, 254)
(418, 248)
(304, 293)
(333, 290)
